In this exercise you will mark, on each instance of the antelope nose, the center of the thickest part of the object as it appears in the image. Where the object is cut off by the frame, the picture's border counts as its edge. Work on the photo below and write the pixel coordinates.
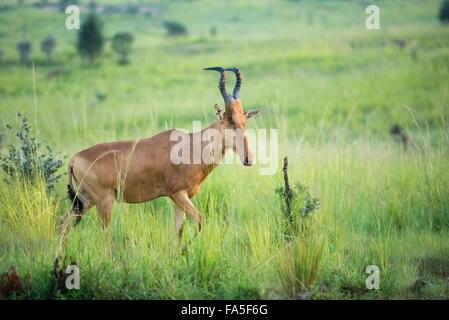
(247, 162)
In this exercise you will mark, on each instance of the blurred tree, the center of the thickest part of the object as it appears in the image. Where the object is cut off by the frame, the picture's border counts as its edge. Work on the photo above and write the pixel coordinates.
(24, 48)
(175, 28)
(121, 44)
(444, 12)
(90, 38)
(48, 45)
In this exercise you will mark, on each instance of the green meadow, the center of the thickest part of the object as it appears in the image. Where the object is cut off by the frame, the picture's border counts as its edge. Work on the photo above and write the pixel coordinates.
(332, 89)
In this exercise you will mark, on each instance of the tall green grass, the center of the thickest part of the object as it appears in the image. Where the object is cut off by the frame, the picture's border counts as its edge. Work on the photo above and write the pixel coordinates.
(379, 205)
(332, 88)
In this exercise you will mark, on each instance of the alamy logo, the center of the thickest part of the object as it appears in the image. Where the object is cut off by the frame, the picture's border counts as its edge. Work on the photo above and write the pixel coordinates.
(209, 145)
(73, 279)
(372, 281)
(73, 20)
(372, 22)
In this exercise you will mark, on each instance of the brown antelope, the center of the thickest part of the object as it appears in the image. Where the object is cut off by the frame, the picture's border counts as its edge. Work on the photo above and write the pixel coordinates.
(135, 171)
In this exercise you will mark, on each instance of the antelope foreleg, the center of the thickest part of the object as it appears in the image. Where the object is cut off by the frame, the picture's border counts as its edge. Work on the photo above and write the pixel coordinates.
(180, 217)
(182, 200)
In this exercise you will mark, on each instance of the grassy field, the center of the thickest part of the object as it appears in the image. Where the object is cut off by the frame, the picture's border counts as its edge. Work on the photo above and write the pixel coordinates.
(331, 87)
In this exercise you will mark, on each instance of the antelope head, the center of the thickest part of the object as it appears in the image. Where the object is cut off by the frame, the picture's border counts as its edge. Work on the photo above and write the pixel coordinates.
(232, 122)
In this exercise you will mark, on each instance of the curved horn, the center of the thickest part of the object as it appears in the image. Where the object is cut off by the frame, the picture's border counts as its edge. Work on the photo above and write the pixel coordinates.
(221, 84)
(238, 83)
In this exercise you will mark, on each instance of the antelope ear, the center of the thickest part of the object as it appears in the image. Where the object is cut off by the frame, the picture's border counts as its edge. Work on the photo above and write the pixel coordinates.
(252, 113)
(218, 111)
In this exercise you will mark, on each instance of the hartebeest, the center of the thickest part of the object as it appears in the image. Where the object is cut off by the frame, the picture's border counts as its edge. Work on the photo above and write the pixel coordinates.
(135, 171)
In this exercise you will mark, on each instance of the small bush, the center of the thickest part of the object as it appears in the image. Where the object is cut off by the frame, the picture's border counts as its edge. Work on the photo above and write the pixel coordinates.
(444, 12)
(132, 9)
(48, 45)
(24, 49)
(175, 28)
(121, 44)
(27, 160)
(302, 203)
(213, 31)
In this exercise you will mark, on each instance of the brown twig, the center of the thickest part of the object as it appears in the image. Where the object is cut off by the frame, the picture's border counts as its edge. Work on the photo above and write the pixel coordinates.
(288, 191)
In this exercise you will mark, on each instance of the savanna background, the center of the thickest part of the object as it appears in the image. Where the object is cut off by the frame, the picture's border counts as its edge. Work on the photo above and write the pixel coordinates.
(331, 87)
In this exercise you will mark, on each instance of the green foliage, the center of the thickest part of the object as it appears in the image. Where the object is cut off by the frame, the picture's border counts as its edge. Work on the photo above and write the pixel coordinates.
(333, 104)
(298, 266)
(90, 37)
(302, 203)
(48, 45)
(298, 263)
(444, 11)
(175, 28)
(30, 160)
(203, 259)
(24, 48)
(121, 44)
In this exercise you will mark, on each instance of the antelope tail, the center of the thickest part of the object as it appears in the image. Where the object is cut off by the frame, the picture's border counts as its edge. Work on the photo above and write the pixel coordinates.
(76, 202)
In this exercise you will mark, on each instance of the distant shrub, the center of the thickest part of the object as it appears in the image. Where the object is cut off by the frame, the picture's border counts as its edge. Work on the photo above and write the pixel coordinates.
(24, 48)
(213, 31)
(40, 3)
(5, 7)
(27, 160)
(400, 43)
(121, 44)
(48, 45)
(175, 28)
(90, 38)
(131, 9)
(413, 51)
(444, 12)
